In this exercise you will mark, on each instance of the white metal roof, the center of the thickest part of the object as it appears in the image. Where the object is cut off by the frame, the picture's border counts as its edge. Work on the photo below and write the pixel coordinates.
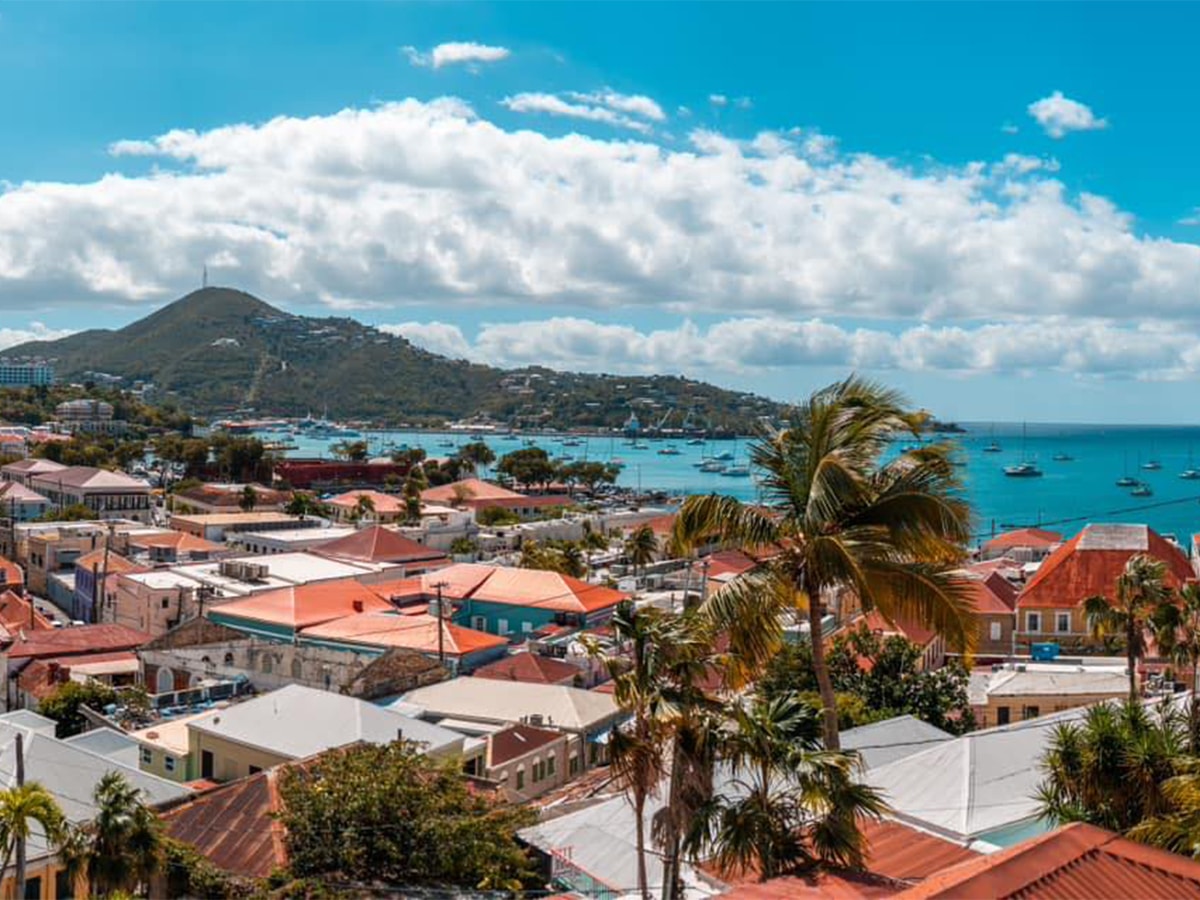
(885, 742)
(492, 700)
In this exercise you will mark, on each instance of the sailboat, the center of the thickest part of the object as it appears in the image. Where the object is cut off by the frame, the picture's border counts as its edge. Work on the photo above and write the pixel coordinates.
(1026, 468)
(991, 446)
(1142, 490)
(1191, 473)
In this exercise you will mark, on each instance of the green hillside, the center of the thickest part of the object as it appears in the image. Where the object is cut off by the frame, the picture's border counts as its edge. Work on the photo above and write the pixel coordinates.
(218, 350)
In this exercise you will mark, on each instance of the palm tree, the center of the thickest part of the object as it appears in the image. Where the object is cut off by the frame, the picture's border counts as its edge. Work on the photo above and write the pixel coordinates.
(21, 808)
(363, 507)
(641, 547)
(1109, 769)
(1141, 594)
(1177, 830)
(637, 751)
(792, 803)
(841, 520)
(124, 844)
(1177, 631)
(249, 499)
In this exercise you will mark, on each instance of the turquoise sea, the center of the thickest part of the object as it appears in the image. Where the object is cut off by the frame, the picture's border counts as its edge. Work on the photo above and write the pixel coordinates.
(1070, 493)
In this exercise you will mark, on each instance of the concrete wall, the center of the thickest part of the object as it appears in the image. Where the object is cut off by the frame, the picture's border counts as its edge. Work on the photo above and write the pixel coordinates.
(1033, 706)
(266, 664)
(528, 767)
(230, 759)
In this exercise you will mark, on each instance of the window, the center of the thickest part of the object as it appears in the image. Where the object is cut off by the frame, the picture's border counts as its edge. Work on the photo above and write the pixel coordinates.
(169, 763)
(550, 766)
(502, 626)
(147, 756)
(535, 771)
(1062, 622)
(995, 631)
(166, 601)
(573, 765)
(1033, 621)
(297, 668)
(229, 659)
(526, 627)
(254, 770)
(1002, 715)
(266, 663)
(206, 764)
(1030, 712)
(520, 779)
(33, 888)
(479, 623)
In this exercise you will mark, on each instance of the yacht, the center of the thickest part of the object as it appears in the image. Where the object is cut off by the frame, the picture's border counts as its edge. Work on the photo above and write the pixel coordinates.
(669, 450)
(1142, 490)
(723, 456)
(1063, 457)
(712, 465)
(1152, 465)
(1126, 481)
(992, 447)
(739, 471)
(1023, 470)
(696, 442)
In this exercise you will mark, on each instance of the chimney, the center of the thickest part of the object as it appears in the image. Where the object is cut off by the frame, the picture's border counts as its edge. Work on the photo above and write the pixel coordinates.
(358, 605)
(399, 734)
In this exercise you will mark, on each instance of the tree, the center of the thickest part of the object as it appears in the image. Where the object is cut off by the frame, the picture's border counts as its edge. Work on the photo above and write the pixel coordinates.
(354, 451)
(363, 507)
(304, 504)
(476, 455)
(22, 807)
(1177, 632)
(563, 557)
(122, 848)
(63, 706)
(1141, 592)
(840, 519)
(1109, 770)
(589, 474)
(793, 803)
(491, 516)
(529, 466)
(249, 499)
(641, 547)
(399, 818)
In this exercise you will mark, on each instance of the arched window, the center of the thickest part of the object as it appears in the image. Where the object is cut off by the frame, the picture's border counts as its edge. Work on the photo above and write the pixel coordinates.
(266, 663)
(297, 668)
(229, 659)
(164, 681)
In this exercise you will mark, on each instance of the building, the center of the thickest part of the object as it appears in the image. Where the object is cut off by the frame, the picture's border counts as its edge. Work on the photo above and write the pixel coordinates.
(288, 540)
(296, 722)
(994, 608)
(931, 644)
(1016, 692)
(508, 601)
(43, 677)
(1076, 860)
(228, 498)
(20, 503)
(25, 469)
(459, 649)
(534, 668)
(107, 494)
(377, 544)
(165, 546)
(367, 506)
(526, 762)
(70, 771)
(282, 614)
(70, 648)
(17, 373)
(326, 474)
(483, 705)
(220, 526)
(476, 494)
(12, 576)
(1025, 545)
(887, 741)
(90, 570)
(1050, 606)
(93, 416)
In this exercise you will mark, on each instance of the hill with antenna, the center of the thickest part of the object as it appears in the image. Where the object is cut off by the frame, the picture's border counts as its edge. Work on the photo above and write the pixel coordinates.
(218, 351)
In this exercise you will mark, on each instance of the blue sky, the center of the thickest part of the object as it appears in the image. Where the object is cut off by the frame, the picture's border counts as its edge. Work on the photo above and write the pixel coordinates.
(983, 203)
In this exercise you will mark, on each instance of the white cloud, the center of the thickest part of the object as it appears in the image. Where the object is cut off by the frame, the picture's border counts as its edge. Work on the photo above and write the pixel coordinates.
(1192, 218)
(750, 345)
(428, 203)
(718, 99)
(456, 53)
(634, 104)
(10, 337)
(554, 105)
(1059, 115)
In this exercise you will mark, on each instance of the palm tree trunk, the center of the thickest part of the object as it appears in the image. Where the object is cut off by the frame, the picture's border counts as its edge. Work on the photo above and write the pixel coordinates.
(639, 805)
(821, 670)
(1194, 717)
(670, 879)
(20, 892)
(1130, 637)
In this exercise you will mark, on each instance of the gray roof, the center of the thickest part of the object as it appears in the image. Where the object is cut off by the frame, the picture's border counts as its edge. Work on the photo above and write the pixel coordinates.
(27, 718)
(500, 701)
(116, 745)
(885, 742)
(297, 722)
(1115, 537)
(71, 772)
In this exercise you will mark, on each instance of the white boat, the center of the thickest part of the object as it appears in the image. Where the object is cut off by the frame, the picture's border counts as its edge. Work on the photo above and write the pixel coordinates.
(1023, 470)
(712, 465)
(1142, 490)
(740, 471)
(669, 451)
(723, 456)
(1152, 465)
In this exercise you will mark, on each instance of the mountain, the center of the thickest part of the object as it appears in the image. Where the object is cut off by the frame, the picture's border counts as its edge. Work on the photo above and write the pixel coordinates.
(219, 350)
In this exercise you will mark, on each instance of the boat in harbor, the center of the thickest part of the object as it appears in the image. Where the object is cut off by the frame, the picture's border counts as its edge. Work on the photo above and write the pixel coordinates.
(1151, 465)
(669, 450)
(739, 471)
(991, 446)
(1023, 470)
(1142, 490)
(713, 465)
(1063, 457)
(724, 456)
(1190, 474)
(696, 442)
(1126, 481)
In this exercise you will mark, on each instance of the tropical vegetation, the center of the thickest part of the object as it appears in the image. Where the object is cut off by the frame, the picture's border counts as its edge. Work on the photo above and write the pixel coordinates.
(842, 518)
(64, 705)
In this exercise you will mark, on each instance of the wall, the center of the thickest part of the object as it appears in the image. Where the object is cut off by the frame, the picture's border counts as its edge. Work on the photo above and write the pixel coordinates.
(230, 760)
(153, 759)
(1017, 705)
(506, 774)
(1001, 646)
(267, 664)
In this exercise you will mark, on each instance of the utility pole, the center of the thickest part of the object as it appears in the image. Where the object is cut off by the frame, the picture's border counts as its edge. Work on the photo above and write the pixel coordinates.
(441, 615)
(20, 744)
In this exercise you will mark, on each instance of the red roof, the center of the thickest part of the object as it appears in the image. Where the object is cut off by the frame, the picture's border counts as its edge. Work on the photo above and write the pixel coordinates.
(993, 595)
(11, 573)
(514, 587)
(530, 667)
(384, 504)
(308, 604)
(413, 632)
(43, 677)
(1073, 861)
(474, 491)
(515, 741)
(379, 544)
(1088, 565)
(116, 564)
(18, 614)
(1035, 538)
(180, 540)
(913, 631)
(77, 641)
(897, 856)
(729, 562)
(235, 826)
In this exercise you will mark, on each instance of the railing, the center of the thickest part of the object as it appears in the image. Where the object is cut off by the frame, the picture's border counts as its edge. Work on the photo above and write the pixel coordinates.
(566, 872)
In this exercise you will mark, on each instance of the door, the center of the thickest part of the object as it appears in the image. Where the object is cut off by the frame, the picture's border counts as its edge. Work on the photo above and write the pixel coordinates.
(206, 764)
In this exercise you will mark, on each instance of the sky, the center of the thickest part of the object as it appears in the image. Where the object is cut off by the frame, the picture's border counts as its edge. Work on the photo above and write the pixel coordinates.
(994, 207)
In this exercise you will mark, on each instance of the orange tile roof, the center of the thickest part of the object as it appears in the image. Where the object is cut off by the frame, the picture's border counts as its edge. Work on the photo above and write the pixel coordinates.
(515, 587)
(1073, 861)
(11, 573)
(182, 541)
(414, 632)
(1089, 563)
(992, 595)
(385, 504)
(17, 613)
(730, 562)
(474, 490)
(897, 855)
(117, 564)
(308, 604)
(530, 667)
(1036, 538)
(76, 641)
(379, 544)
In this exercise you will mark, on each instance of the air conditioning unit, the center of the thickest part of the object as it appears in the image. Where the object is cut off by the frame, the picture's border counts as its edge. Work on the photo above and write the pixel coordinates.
(536, 719)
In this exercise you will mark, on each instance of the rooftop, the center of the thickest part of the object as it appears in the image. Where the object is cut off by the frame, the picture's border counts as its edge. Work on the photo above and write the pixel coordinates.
(379, 544)
(516, 587)
(414, 632)
(515, 741)
(531, 667)
(88, 477)
(386, 504)
(231, 518)
(297, 721)
(472, 490)
(77, 640)
(892, 739)
(1037, 538)
(489, 700)
(302, 606)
